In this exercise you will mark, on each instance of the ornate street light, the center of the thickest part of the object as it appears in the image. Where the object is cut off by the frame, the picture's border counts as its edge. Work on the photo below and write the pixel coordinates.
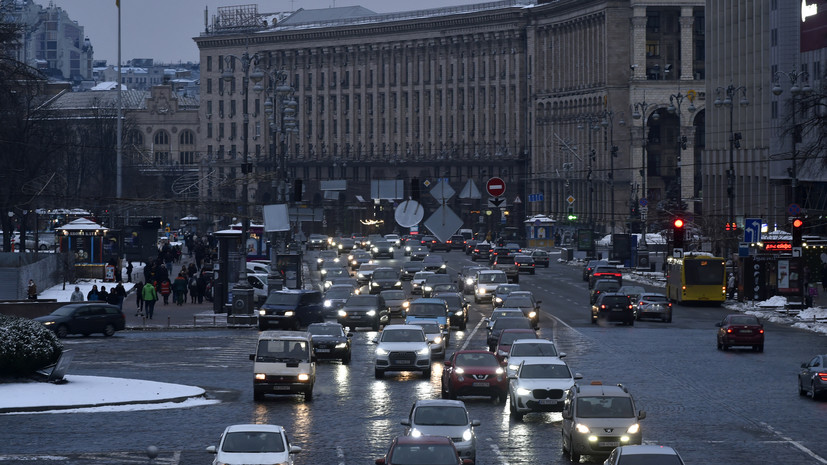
(675, 101)
(608, 122)
(639, 111)
(725, 97)
(798, 92)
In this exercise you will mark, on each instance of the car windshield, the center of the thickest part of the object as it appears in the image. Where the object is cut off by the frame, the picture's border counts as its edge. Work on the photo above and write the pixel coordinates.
(429, 328)
(412, 266)
(508, 338)
(506, 323)
(453, 301)
(424, 454)
(534, 350)
(361, 300)
(328, 254)
(385, 274)
(477, 359)
(443, 287)
(336, 273)
(338, 293)
(422, 275)
(325, 330)
(440, 415)
(393, 295)
(270, 350)
(517, 301)
(606, 286)
(649, 459)
(402, 335)
(253, 441)
(545, 371)
(743, 320)
(283, 299)
(433, 259)
(604, 407)
(492, 278)
(421, 309)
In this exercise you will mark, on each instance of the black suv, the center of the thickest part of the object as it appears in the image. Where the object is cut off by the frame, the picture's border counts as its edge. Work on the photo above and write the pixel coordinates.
(291, 309)
(85, 318)
(481, 250)
(612, 306)
(362, 310)
(457, 241)
(602, 286)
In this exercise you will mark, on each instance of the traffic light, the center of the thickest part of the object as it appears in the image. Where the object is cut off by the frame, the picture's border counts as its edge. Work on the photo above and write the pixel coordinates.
(798, 228)
(571, 216)
(678, 233)
(731, 226)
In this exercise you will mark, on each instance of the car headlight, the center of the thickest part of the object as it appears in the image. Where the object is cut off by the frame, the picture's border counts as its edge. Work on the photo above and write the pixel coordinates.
(443, 266)
(416, 433)
(427, 288)
(304, 377)
(320, 260)
(48, 323)
(360, 276)
(498, 300)
(523, 391)
(324, 271)
(353, 262)
(459, 370)
(480, 290)
(424, 351)
(289, 313)
(261, 376)
(371, 313)
(374, 284)
(405, 304)
(260, 312)
(327, 284)
(437, 340)
(407, 249)
(341, 345)
(469, 282)
(634, 429)
(398, 283)
(499, 370)
(328, 303)
(532, 314)
(375, 249)
(581, 428)
(350, 257)
(458, 313)
(342, 313)
(467, 435)
(340, 246)
(381, 351)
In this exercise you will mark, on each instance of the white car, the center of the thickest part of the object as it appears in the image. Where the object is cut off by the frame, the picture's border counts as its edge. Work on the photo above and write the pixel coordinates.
(418, 280)
(436, 340)
(443, 417)
(540, 386)
(530, 349)
(402, 348)
(243, 444)
(393, 239)
(487, 282)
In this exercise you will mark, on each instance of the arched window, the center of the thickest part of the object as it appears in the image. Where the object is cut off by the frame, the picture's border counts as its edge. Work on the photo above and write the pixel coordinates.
(186, 147)
(161, 148)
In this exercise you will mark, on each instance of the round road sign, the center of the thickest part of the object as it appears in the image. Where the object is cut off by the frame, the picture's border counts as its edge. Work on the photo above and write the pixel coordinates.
(495, 187)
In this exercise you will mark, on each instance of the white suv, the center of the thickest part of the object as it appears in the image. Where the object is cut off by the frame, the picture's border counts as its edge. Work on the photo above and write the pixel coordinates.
(443, 417)
(402, 348)
(540, 386)
(487, 282)
(530, 350)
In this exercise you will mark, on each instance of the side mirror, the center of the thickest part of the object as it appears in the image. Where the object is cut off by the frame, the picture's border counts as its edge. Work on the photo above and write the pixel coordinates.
(349, 334)
(567, 414)
(295, 449)
(253, 357)
(447, 363)
(641, 415)
(578, 376)
(211, 450)
(561, 355)
(475, 423)
(374, 341)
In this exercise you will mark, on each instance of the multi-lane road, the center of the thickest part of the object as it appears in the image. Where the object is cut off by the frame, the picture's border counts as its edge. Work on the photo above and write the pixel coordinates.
(734, 407)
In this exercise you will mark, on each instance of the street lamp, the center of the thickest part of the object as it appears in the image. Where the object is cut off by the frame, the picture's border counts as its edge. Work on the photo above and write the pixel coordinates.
(281, 113)
(242, 290)
(608, 122)
(797, 92)
(675, 101)
(639, 110)
(729, 93)
(593, 126)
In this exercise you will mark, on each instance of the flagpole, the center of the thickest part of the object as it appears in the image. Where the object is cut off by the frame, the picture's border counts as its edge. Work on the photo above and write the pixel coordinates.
(119, 161)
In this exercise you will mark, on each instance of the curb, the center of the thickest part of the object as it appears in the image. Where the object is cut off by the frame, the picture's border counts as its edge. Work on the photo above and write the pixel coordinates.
(44, 408)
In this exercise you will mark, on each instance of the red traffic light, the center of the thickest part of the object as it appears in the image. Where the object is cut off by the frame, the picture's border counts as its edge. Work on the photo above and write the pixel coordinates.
(678, 223)
(798, 222)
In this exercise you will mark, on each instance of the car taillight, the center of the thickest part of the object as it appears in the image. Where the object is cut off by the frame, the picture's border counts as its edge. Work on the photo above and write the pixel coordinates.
(822, 376)
(640, 303)
(670, 304)
(761, 331)
(729, 330)
(630, 307)
(603, 307)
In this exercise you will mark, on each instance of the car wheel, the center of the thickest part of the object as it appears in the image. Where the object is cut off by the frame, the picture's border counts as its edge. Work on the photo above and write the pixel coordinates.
(725, 347)
(720, 346)
(346, 360)
(669, 318)
(308, 394)
(503, 397)
(632, 322)
(444, 392)
(62, 331)
(573, 456)
(426, 373)
(517, 416)
(375, 326)
(109, 331)
(760, 347)
(378, 374)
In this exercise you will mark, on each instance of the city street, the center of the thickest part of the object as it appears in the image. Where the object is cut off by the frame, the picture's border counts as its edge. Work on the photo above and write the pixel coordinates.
(733, 407)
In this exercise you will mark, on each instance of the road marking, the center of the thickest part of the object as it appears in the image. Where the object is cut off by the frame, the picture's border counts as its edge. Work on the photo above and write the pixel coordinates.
(340, 454)
(471, 335)
(796, 444)
(496, 451)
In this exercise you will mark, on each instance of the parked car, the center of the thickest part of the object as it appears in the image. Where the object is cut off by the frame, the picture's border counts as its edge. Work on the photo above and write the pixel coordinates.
(402, 348)
(330, 341)
(812, 379)
(257, 443)
(740, 330)
(474, 373)
(85, 319)
(614, 307)
(441, 417)
(540, 386)
(653, 306)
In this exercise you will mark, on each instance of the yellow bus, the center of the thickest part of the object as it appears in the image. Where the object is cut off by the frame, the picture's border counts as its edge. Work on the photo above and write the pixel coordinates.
(697, 277)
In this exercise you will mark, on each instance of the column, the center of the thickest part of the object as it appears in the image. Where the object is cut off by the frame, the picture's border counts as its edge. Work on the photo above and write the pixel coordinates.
(687, 43)
(639, 42)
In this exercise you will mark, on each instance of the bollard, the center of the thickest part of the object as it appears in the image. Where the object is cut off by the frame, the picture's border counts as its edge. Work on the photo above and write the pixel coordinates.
(169, 322)
(193, 321)
(152, 453)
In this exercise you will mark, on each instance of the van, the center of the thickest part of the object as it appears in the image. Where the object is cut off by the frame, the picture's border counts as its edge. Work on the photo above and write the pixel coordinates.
(291, 309)
(283, 364)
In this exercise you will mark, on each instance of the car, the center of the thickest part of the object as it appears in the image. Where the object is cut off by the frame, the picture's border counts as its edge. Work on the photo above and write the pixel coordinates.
(291, 309)
(438, 245)
(418, 280)
(258, 267)
(436, 279)
(383, 279)
(740, 330)
(357, 258)
(317, 241)
(435, 263)
(409, 269)
(402, 348)
(653, 306)
(419, 252)
(283, 364)
(812, 379)
(530, 349)
(601, 286)
(362, 310)
(499, 252)
(606, 272)
(513, 248)
(507, 337)
(259, 443)
(469, 245)
(507, 265)
(330, 341)
(365, 272)
(502, 313)
(540, 385)
(345, 245)
(633, 292)
(501, 324)
(649, 453)
(395, 301)
(394, 239)
(85, 318)
(330, 274)
(457, 241)
(597, 418)
(480, 251)
(381, 249)
(467, 278)
(487, 282)
(430, 450)
(613, 307)
(525, 264)
(428, 309)
(524, 300)
(444, 417)
(335, 297)
(590, 266)
(540, 257)
(474, 373)
(501, 292)
(330, 259)
(435, 336)
(457, 308)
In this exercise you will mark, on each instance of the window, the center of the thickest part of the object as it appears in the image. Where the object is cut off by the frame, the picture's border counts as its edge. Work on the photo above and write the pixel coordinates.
(209, 63)
(209, 86)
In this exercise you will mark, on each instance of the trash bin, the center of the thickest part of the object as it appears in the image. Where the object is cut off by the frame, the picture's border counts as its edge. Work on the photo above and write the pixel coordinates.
(568, 254)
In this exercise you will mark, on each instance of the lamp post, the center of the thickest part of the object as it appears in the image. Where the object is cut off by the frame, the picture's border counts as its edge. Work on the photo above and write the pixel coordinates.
(608, 122)
(639, 110)
(242, 291)
(729, 93)
(675, 101)
(593, 126)
(799, 88)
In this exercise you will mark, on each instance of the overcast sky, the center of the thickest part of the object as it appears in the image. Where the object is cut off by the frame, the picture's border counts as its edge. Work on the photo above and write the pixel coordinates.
(163, 29)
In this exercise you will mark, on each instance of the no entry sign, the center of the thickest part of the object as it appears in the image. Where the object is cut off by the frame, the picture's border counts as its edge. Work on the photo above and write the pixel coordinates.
(495, 187)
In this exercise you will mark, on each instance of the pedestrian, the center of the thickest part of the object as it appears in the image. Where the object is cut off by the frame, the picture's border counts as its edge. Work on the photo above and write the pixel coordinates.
(192, 270)
(165, 288)
(139, 299)
(730, 285)
(119, 295)
(179, 289)
(32, 290)
(103, 295)
(129, 269)
(193, 287)
(202, 286)
(150, 296)
(77, 296)
(93, 293)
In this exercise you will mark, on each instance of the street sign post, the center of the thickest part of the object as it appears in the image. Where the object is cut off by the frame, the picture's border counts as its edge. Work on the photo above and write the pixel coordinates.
(495, 187)
(752, 230)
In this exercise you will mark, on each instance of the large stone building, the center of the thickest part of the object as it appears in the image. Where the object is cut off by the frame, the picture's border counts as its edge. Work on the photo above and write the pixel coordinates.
(536, 94)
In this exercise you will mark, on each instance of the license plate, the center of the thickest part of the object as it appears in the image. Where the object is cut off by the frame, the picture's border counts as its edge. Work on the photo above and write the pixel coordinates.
(322, 351)
(548, 402)
(481, 384)
(617, 309)
(402, 362)
(608, 444)
(281, 388)
(355, 317)
(746, 331)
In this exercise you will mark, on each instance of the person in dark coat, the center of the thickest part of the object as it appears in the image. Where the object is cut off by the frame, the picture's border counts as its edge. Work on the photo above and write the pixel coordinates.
(824, 276)
(179, 289)
(93, 293)
(129, 269)
(202, 286)
(139, 299)
(103, 296)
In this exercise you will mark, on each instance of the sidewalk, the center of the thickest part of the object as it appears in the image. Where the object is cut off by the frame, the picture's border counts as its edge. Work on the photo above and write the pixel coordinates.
(187, 315)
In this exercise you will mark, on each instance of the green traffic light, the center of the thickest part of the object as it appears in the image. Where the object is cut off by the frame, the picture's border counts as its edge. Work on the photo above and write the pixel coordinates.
(572, 217)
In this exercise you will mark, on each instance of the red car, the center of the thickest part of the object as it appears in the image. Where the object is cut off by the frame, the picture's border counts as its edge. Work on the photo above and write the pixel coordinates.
(507, 337)
(433, 450)
(740, 330)
(474, 373)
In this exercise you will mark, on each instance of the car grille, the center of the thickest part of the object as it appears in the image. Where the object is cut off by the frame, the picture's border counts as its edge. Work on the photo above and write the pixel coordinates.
(404, 358)
(281, 379)
(459, 439)
(480, 377)
(547, 393)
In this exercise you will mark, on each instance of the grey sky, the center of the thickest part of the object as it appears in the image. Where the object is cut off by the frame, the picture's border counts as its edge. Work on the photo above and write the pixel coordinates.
(163, 29)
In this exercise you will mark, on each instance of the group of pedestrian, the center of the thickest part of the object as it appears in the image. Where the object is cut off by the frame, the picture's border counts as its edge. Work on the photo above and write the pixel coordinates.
(114, 296)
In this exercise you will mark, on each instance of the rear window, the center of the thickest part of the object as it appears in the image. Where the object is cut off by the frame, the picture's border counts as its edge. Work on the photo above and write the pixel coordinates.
(610, 286)
(654, 298)
(426, 310)
(615, 300)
